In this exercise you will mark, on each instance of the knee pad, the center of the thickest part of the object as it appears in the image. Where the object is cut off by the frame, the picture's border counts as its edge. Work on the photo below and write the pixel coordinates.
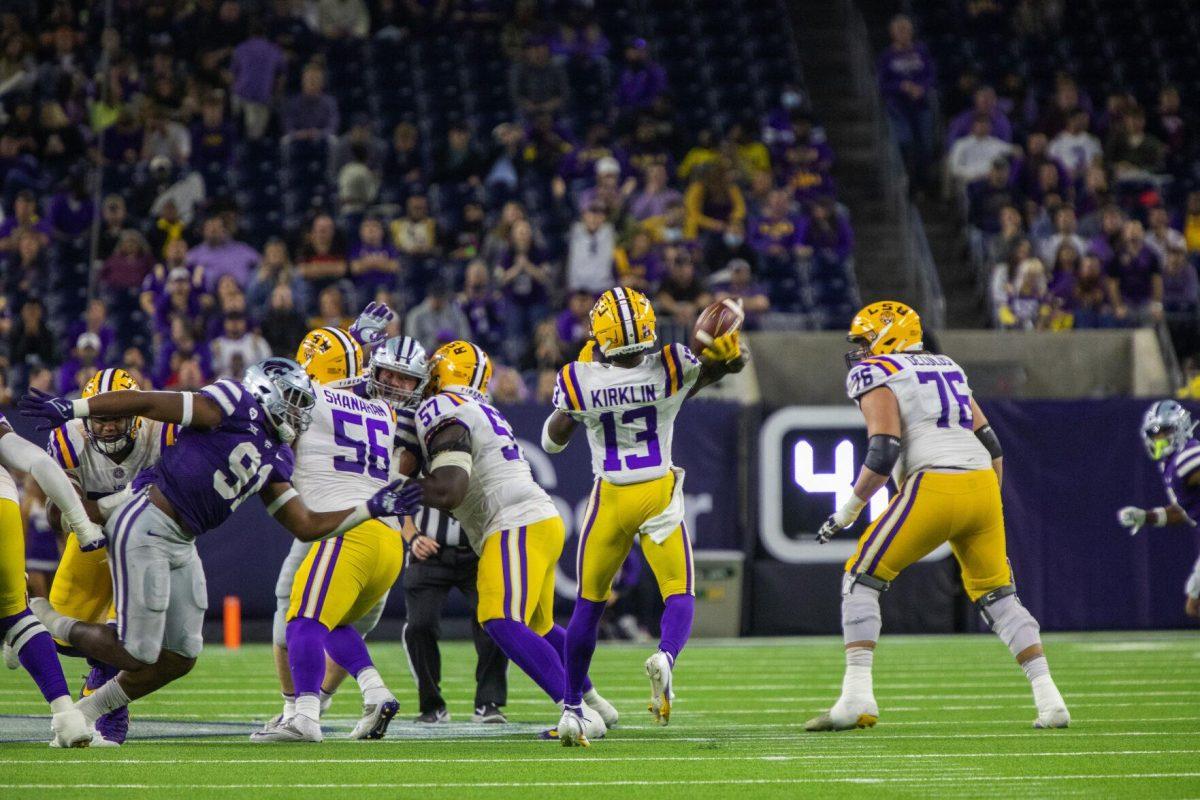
(861, 618)
(279, 626)
(1011, 621)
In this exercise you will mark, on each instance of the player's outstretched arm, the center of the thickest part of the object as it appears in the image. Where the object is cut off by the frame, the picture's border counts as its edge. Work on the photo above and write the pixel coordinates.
(449, 467)
(556, 433)
(398, 499)
(183, 408)
(882, 413)
(25, 456)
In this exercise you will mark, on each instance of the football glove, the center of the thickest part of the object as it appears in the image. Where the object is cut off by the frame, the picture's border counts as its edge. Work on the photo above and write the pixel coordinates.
(724, 348)
(841, 519)
(1136, 518)
(829, 529)
(371, 326)
(48, 410)
(400, 498)
(90, 536)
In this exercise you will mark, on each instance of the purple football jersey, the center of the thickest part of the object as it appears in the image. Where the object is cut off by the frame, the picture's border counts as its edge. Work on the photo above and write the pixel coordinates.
(1176, 472)
(206, 475)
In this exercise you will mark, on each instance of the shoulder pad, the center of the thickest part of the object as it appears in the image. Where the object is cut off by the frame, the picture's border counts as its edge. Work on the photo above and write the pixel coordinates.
(568, 391)
(870, 373)
(65, 445)
(460, 443)
(1188, 460)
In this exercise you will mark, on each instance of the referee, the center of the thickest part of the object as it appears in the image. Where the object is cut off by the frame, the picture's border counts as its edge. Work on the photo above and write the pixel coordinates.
(440, 558)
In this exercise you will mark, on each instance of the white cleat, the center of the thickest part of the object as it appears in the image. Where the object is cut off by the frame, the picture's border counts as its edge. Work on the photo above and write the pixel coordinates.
(846, 715)
(71, 729)
(658, 669)
(296, 728)
(593, 724)
(1057, 717)
(570, 730)
(10, 657)
(375, 719)
(606, 710)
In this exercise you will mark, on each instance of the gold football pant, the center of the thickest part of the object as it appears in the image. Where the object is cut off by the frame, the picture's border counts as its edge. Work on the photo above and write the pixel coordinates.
(342, 578)
(516, 574)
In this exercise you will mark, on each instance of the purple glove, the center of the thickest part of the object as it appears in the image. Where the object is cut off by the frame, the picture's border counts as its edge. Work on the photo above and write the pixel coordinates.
(400, 498)
(371, 326)
(51, 411)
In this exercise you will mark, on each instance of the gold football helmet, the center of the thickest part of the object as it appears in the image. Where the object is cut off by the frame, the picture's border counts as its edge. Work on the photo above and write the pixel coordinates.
(623, 322)
(330, 354)
(882, 328)
(111, 435)
(459, 365)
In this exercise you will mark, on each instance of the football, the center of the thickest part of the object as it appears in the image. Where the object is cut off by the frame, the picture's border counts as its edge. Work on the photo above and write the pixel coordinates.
(716, 320)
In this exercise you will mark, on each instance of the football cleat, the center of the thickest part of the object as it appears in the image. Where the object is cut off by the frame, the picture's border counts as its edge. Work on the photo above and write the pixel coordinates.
(267, 728)
(375, 719)
(846, 716)
(489, 713)
(658, 669)
(605, 709)
(10, 657)
(1057, 717)
(593, 726)
(296, 728)
(435, 717)
(570, 729)
(71, 729)
(114, 726)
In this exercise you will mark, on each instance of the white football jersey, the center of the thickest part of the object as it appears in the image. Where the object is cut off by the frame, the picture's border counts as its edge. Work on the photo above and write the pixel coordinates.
(502, 493)
(346, 455)
(936, 422)
(629, 413)
(97, 474)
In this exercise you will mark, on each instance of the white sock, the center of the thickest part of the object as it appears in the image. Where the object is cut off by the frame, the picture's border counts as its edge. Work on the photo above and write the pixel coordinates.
(371, 684)
(61, 704)
(1045, 693)
(289, 705)
(108, 697)
(309, 705)
(58, 624)
(858, 682)
(1036, 667)
(590, 695)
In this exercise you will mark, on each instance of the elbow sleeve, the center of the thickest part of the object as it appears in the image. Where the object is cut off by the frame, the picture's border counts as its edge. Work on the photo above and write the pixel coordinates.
(987, 437)
(883, 451)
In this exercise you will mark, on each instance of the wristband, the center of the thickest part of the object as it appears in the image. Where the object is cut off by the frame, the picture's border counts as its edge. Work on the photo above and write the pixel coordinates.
(185, 417)
(282, 500)
(79, 408)
(850, 510)
(548, 443)
(1157, 516)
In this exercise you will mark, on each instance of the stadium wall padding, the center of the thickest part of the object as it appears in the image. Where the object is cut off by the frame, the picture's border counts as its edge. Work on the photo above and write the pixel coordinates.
(1069, 465)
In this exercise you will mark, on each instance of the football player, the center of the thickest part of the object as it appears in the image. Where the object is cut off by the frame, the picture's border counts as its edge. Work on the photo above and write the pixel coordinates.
(628, 401)
(925, 430)
(1168, 432)
(101, 456)
(332, 594)
(234, 442)
(27, 637)
(478, 471)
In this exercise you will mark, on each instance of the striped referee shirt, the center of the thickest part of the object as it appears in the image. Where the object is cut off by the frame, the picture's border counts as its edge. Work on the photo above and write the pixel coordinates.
(441, 527)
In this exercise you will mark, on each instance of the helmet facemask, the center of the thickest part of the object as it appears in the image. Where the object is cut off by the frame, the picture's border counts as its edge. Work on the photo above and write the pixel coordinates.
(863, 350)
(1166, 430)
(109, 443)
(393, 395)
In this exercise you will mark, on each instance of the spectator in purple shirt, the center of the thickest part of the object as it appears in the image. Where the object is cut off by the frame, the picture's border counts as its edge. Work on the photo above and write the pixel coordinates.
(985, 104)
(828, 232)
(906, 77)
(642, 80)
(738, 283)
(221, 255)
(71, 210)
(95, 321)
(573, 323)
(776, 235)
(79, 368)
(1135, 282)
(213, 136)
(257, 63)
(312, 114)
(24, 218)
(374, 263)
(483, 306)
(655, 196)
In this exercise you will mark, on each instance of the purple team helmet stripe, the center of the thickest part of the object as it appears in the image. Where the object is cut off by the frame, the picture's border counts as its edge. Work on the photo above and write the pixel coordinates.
(899, 524)
(337, 548)
(587, 528)
(312, 573)
(506, 574)
(690, 587)
(524, 574)
(674, 355)
(881, 523)
(575, 384)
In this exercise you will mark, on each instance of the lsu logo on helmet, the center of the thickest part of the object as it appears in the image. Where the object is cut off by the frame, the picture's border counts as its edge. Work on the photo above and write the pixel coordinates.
(461, 365)
(882, 328)
(330, 354)
(623, 322)
(113, 379)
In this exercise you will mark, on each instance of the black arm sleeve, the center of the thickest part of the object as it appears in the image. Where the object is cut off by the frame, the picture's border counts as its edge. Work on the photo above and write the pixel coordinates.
(987, 437)
(882, 453)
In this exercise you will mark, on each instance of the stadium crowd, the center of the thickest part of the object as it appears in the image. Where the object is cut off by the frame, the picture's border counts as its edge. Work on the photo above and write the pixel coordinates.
(1073, 159)
(253, 186)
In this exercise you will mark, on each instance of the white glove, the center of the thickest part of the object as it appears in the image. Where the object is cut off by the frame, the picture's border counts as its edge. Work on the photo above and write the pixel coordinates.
(90, 536)
(1132, 517)
(841, 519)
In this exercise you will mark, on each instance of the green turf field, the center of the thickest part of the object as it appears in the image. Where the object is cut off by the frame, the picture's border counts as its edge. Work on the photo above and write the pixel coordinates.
(955, 722)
